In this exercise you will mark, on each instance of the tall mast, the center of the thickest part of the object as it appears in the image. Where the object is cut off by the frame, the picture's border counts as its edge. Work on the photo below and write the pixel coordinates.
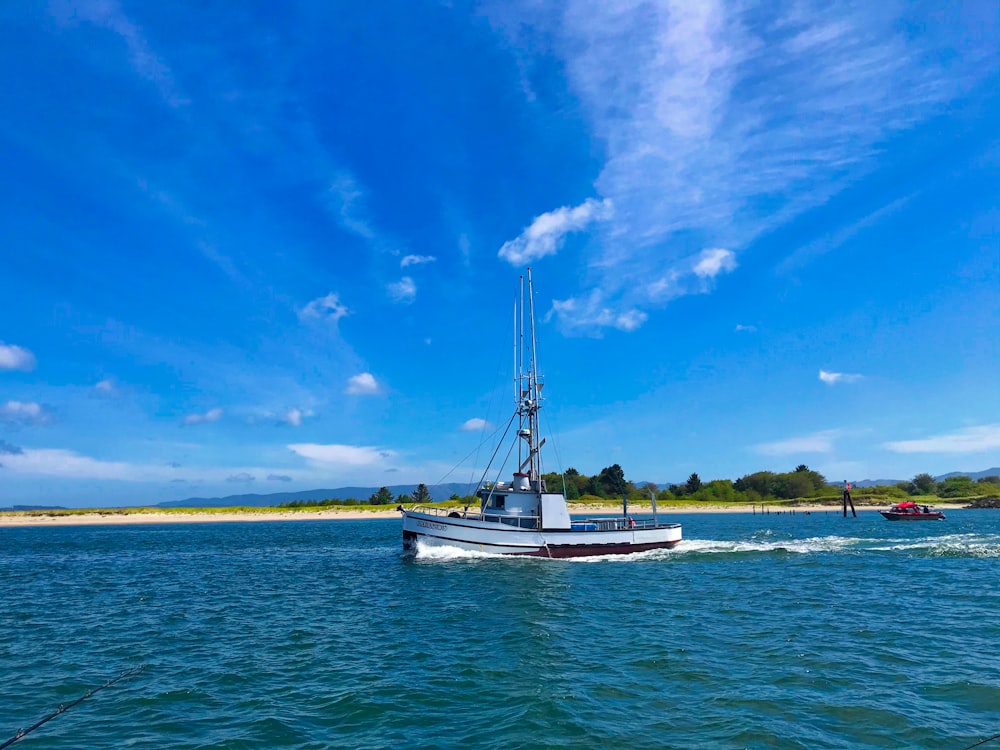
(520, 372)
(534, 473)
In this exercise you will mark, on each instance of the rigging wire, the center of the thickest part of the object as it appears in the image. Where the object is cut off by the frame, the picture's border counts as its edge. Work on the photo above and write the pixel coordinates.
(983, 742)
(505, 460)
(64, 707)
(489, 413)
(463, 460)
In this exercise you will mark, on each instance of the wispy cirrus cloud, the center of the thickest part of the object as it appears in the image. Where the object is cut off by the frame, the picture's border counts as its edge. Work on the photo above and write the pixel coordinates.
(545, 235)
(966, 440)
(278, 478)
(212, 415)
(362, 384)
(404, 290)
(416, 260)
(590, 315)
(832, 378)
(696, 275)
(243, 477)
(345, 199)
(14, 357)
(684, 95)
(108, 14)
(327, 308)
(817, 442)
(343, 455)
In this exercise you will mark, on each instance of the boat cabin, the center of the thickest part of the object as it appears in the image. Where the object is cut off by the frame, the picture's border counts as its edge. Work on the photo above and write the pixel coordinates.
(521, 502)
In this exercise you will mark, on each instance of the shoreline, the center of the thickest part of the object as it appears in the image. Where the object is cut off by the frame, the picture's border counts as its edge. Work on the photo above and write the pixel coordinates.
(115, 517)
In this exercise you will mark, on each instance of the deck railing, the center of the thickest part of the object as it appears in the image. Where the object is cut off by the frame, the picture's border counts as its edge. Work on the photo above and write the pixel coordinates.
(517, 521)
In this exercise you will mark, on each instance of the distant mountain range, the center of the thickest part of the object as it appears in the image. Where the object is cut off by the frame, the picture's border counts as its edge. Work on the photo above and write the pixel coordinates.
(438, 492)
(995, 471)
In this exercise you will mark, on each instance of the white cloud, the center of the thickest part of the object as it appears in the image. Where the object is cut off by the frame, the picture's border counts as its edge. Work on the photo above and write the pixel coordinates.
(362, 384)
(832, 378)
(65, 463)
(16, 358)
(713, 262)
(107, 387)
(545, 234)
(324, 308)
(295, 416)
(68, 464)
(818, 442)
(685, 96)
(345, 455)
(212, 415)
(589, 315)
(23, 413)
(415, 260)
(747, 329)
(967, 440)
(475, 424)
(403, 290)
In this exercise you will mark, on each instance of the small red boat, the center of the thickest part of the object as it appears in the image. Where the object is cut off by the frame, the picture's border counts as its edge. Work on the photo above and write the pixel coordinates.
(910, 511)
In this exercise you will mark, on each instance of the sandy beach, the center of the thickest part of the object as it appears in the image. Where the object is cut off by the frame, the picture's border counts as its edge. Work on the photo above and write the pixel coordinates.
(116, 517)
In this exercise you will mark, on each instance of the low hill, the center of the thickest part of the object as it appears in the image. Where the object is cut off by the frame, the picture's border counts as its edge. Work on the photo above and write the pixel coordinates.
(995, 471)
(438, 492)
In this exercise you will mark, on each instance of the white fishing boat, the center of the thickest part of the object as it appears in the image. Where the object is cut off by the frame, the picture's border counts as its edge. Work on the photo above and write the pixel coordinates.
(523, 516)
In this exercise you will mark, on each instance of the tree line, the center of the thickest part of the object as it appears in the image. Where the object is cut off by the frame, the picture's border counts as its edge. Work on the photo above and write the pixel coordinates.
(383, 496)
(802, 482)
(610, 485)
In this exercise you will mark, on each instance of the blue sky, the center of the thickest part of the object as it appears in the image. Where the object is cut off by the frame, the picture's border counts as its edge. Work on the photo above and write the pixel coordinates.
(258, 248)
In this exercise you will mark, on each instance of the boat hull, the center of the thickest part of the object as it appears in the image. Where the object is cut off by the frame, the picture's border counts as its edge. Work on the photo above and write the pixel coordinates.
(890, 516)
(501, 539)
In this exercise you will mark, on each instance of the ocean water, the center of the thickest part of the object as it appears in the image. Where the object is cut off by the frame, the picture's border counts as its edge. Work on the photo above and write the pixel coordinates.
(787, 631)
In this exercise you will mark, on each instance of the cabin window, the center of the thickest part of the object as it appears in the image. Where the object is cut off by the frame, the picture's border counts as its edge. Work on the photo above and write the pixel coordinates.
(499, 501)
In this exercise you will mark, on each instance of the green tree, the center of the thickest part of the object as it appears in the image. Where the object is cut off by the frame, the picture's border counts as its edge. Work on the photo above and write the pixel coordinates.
(693, 484)
(991, 479)
(594, 487)
(382, 497)
(925, 484)
(801, 468)
(761, 482)
(957, 487)
(718, 489)
(792, 485)
(403, 499)
(421, 495)
(612, 479)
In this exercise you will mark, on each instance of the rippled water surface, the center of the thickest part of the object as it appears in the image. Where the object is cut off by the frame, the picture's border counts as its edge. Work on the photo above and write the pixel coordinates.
(798, 631)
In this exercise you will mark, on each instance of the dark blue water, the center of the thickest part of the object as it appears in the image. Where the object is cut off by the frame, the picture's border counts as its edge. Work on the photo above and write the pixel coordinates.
(758, 631)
